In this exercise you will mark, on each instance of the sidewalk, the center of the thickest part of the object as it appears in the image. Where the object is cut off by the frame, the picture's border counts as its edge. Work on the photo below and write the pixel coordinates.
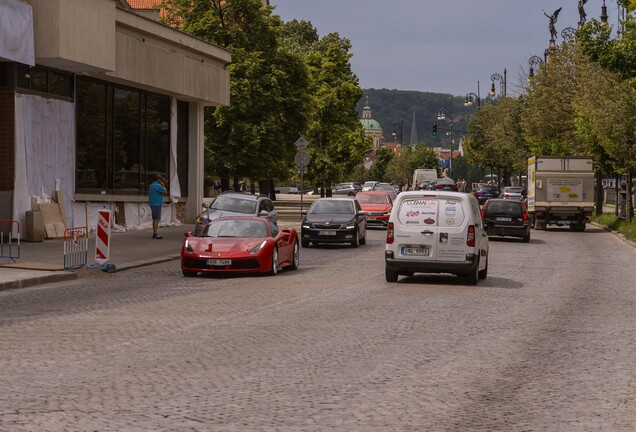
(43, 262)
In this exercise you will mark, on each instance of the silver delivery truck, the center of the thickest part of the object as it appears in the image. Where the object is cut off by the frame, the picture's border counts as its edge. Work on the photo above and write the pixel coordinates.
(560, 191)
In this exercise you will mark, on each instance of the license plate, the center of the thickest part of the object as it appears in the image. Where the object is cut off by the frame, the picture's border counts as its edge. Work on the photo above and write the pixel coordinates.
(219, 262)
(414, 251)
(327, 232)
(503, 219)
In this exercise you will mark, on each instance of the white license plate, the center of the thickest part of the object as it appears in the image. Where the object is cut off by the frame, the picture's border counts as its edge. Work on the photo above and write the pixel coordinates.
(219, 262)
(327, 232)
(503, 219)
(414, 251)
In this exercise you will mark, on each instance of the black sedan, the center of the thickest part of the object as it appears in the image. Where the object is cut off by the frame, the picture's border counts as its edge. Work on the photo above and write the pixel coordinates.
(334, 220)
(506, 218)
(442, 183)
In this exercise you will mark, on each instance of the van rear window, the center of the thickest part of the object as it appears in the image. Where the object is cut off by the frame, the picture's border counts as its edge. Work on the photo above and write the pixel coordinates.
(431, 212)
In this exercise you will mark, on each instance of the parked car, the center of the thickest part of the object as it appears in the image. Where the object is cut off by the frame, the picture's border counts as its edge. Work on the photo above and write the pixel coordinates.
(367, 186)
(349, 189)
(513, 192)
(436, 232)
(334, 220)
(240, 244)
(442, 183)
(506, 218)
(485, 192)
(377, 206)
(236, 204)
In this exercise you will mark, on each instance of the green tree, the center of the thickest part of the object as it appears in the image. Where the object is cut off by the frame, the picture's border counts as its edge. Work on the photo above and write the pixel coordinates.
(255, 135)
(383, 157)
(408, 159)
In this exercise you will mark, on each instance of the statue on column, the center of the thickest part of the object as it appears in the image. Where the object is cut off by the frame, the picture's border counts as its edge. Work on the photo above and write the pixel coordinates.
(582, 14)
(553, 19)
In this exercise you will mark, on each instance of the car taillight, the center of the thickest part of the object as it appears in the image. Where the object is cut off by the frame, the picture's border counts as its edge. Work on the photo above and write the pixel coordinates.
(587, 214)
(389, 233)
(470, 240)
(438, 186)
(538, 214)
(525, 217)
(505, 195)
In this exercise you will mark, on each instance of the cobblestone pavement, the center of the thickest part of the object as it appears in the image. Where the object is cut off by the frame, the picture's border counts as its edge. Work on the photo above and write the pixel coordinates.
(546, 343)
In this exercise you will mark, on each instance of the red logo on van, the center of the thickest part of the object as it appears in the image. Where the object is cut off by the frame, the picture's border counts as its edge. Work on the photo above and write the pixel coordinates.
(429, 221)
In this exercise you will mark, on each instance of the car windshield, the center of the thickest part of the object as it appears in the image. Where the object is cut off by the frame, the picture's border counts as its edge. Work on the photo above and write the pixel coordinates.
(332, 207)
(513, 190)
(372, 199)
(236, 228)
(383, 186)
(369, 184)
(507, 207)
(234, 204)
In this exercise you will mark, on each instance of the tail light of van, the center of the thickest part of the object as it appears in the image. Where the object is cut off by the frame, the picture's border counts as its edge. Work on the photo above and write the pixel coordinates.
(470, 240)
(525, 213)
(390, 231)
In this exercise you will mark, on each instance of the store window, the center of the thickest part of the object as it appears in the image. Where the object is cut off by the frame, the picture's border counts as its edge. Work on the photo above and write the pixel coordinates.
(123, 138)
(45, 81)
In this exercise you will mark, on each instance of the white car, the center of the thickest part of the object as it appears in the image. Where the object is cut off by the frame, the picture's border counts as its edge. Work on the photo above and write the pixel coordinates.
(436, 232)
(368, 186)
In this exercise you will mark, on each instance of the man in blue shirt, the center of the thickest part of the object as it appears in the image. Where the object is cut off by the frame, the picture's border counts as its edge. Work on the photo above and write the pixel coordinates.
(155, 200)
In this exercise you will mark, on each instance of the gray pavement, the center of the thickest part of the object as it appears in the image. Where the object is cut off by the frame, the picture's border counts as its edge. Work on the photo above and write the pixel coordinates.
(43, 262)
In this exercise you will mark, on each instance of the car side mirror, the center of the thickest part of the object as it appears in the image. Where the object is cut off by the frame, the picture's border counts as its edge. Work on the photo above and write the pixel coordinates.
(188, 234)
(362, 213)
(303, 212)
(263, 213)
(204, 205)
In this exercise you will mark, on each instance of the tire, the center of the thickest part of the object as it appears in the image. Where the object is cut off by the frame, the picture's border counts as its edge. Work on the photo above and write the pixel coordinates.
(305, 243)
(580, 227)
(363, 240)
(356, 239)
(189, 273)
(472, 277)
(295, 257)
(539, 224)
(390, 275)
(526, 238)
(483, 274)
(274, 269)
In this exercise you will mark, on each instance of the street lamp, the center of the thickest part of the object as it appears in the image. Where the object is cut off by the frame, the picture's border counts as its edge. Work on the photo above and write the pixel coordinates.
(534, 61)
(443, 114)
(469, 100)
(502, 79)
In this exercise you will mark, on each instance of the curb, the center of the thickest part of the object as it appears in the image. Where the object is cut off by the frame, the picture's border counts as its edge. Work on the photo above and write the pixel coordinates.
(38, 280)
(616, 234)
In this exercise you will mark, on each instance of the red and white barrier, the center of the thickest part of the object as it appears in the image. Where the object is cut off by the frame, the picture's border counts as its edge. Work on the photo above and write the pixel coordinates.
(102, 236)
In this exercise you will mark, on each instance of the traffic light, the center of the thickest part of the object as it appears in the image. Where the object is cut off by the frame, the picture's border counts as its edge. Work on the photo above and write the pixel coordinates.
(434, 129)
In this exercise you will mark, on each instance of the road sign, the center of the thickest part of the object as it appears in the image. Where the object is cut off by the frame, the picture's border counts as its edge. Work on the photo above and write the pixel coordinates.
(102, 236)
(302, 158)
(302, 143)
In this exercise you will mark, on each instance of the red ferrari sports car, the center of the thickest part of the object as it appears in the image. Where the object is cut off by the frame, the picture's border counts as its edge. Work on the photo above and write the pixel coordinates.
(240, 244)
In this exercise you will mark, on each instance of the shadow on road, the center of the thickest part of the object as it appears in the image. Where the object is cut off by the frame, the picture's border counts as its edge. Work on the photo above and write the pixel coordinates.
(443, 279)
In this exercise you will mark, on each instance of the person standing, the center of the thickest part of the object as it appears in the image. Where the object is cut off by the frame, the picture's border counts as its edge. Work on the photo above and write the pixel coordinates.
(155, 201)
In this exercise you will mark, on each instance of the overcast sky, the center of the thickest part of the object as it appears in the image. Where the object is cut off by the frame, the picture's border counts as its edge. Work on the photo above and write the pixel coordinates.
(443, 46)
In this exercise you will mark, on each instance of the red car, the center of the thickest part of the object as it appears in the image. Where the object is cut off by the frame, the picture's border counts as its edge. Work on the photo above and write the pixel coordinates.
(240, 244)
(377, 205)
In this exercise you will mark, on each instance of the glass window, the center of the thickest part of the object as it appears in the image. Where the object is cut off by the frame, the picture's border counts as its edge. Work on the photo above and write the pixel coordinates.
(126, 156)
(91, 135)
(273, 228)
(38, 80)
(418, 211)
(4, 74)
(157, 137)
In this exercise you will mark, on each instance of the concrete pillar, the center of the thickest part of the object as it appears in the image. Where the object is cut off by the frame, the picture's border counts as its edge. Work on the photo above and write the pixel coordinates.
(195, 161)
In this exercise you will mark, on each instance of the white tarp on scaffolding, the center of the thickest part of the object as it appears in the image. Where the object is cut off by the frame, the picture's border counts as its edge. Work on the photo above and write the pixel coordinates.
(137, 215)
(16, 32)
(44, 152)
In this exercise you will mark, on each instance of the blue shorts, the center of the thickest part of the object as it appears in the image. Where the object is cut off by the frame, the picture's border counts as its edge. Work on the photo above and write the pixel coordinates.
(156, 213)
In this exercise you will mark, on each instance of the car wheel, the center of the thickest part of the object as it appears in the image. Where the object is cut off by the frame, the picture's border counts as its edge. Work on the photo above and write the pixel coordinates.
(526, 238)
(472, 277)
(274, 269)
(390, 275)
(189, 273)
(295, 257)
(363, 240)
(483, 274)
(356, 239)
(305, 243)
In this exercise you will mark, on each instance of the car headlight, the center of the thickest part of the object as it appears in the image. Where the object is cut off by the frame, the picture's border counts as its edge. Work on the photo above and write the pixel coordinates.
(257, 249)
(306, 226)
(187, 246)
(351, 225)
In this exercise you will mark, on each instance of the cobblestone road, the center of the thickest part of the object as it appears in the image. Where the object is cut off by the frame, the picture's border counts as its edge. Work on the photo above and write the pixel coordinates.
(546, 343)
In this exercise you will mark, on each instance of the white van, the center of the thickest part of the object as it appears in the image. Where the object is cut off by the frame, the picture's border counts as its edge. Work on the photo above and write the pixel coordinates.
(422, 177)
(436, 232)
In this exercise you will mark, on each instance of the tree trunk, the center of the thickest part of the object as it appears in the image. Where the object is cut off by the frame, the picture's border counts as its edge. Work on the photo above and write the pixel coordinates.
(600, 192)
(252, 187)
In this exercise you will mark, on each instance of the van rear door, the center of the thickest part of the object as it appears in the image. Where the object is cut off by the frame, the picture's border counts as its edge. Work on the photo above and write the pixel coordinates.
(433, 227)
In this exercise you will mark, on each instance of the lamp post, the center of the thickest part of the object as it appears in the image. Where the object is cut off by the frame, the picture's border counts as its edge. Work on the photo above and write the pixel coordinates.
(502, 79)
(401, 133)
(534, 61)
(443, 114)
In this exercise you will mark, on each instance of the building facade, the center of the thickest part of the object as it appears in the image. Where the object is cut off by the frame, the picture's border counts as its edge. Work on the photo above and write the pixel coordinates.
(95, 100)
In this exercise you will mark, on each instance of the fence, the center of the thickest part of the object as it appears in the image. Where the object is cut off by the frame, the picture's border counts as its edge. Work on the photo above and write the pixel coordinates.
(7, 249)
(75, 247)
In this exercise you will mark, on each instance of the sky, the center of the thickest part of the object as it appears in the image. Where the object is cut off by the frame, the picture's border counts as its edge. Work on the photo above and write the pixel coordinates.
(441, 46)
